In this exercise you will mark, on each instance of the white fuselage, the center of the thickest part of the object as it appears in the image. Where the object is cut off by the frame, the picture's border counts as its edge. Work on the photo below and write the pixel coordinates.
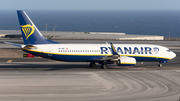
(91, 52)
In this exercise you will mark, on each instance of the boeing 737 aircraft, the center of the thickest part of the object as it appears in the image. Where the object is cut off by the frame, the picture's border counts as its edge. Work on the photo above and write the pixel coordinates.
(120, 54)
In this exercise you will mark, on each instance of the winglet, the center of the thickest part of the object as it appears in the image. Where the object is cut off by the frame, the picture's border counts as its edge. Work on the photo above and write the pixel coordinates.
(113, 50)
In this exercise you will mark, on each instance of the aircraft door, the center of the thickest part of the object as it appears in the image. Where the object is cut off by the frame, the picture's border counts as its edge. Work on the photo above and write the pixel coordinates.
(156, 52)
(50, 51)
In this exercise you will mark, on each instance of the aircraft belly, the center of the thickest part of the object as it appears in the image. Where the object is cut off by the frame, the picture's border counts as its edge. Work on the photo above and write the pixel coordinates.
(139, 59)
(70, 58)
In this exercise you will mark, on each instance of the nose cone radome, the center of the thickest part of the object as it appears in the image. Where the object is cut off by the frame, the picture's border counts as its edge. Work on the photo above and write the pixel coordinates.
(173, 55)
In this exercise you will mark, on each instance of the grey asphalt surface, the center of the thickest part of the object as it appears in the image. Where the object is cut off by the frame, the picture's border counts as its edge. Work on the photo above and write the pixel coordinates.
(43, 80)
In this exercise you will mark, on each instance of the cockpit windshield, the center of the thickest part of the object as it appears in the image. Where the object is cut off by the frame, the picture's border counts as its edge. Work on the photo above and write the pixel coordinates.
(168, 51)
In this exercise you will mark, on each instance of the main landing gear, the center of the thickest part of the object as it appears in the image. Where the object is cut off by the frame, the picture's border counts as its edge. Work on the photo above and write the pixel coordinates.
(104, 66)
(92, 64)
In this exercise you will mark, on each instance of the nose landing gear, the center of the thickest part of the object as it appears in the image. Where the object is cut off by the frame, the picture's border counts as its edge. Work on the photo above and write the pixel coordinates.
(160, 65)
(161, 62)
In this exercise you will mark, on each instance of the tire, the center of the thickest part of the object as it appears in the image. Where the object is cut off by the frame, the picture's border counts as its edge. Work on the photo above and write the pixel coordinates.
(118, 62)
(104, 66)
(92, 64)
(160, 65)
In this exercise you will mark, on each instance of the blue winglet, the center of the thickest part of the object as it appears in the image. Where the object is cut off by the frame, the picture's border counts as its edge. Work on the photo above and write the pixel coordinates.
(30, 33)
(113, 50)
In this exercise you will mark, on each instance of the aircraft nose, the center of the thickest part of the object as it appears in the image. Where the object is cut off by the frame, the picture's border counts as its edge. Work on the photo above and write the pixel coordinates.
(173, 55)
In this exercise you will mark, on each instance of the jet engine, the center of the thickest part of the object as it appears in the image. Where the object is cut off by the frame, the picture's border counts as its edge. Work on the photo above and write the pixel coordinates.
(126, 61)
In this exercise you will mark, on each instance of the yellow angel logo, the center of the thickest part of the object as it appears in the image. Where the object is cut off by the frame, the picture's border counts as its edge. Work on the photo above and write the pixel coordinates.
(28, 30)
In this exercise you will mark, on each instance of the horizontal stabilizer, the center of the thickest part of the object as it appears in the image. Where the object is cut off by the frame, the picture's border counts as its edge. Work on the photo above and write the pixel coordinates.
(14, 44)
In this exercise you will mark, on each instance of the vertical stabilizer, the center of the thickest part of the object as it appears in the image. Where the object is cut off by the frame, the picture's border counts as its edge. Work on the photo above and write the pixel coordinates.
(30, 33)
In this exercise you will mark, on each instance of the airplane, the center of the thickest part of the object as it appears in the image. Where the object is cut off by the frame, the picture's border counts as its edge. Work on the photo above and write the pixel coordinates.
(120, 54)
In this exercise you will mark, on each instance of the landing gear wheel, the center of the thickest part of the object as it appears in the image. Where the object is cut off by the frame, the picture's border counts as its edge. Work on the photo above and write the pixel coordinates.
(104, 66)
(160, 65)
(92, 64)
(118, 62)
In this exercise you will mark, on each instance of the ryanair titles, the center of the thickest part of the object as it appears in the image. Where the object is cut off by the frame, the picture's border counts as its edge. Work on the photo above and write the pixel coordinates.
(131, 50)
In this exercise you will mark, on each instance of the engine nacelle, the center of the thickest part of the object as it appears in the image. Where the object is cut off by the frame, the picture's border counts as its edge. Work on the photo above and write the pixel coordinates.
(126, 61)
